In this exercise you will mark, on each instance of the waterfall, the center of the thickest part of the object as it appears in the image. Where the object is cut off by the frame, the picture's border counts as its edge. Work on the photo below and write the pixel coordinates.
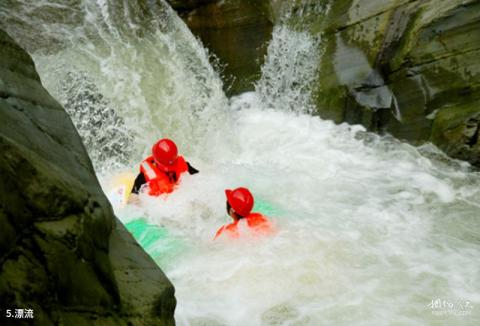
(127, 74)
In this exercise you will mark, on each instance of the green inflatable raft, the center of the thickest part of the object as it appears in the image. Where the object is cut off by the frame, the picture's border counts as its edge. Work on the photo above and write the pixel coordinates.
(157, 241)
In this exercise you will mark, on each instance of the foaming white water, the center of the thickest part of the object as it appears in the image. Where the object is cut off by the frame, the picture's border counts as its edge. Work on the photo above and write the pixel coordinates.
(370, 230)
(290, 71)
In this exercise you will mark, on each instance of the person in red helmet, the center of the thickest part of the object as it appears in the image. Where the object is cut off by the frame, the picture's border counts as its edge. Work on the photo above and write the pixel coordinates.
(162, 170)
(239, 207)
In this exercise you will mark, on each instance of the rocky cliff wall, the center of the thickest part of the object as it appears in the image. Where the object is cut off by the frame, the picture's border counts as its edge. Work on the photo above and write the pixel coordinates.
(237, 32)
(62, 251)
(406, 67)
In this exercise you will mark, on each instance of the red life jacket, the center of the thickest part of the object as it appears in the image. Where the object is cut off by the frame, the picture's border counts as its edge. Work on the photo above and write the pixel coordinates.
(159, 181)
(256, 223)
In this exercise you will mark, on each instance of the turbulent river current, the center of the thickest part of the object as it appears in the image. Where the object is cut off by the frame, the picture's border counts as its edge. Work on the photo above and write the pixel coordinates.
(371, 230)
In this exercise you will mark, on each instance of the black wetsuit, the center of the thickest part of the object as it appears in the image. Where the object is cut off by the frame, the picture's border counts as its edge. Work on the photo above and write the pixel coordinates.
(140, 180)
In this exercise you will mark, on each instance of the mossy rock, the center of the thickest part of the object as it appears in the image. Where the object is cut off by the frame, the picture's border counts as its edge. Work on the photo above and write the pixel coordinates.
(392, 65)
(62, 250)
(456, 131)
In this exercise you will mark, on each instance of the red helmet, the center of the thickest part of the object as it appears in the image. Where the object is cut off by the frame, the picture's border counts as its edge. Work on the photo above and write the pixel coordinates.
(241, 200)
(165, 153)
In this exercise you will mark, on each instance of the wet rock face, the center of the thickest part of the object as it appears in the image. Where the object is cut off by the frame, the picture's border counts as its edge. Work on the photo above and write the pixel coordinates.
(409, 68)
(402, 67)
(237, 32)
(62, 252)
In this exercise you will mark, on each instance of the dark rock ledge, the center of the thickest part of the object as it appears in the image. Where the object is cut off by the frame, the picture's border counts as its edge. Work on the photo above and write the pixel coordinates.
(62, 251)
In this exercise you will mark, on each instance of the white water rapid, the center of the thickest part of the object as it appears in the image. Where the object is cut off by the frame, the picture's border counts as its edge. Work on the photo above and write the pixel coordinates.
(371, 231)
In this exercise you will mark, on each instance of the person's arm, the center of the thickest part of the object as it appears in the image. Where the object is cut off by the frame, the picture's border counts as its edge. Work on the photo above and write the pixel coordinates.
(139, 182)
(191, 169)
(219, 232)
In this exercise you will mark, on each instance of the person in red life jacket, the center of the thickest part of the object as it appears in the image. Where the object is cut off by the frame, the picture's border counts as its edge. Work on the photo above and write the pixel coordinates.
(161, 172)
(239, 206)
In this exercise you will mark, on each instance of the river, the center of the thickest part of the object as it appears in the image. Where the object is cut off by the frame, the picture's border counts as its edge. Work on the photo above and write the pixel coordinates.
(371, 230)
